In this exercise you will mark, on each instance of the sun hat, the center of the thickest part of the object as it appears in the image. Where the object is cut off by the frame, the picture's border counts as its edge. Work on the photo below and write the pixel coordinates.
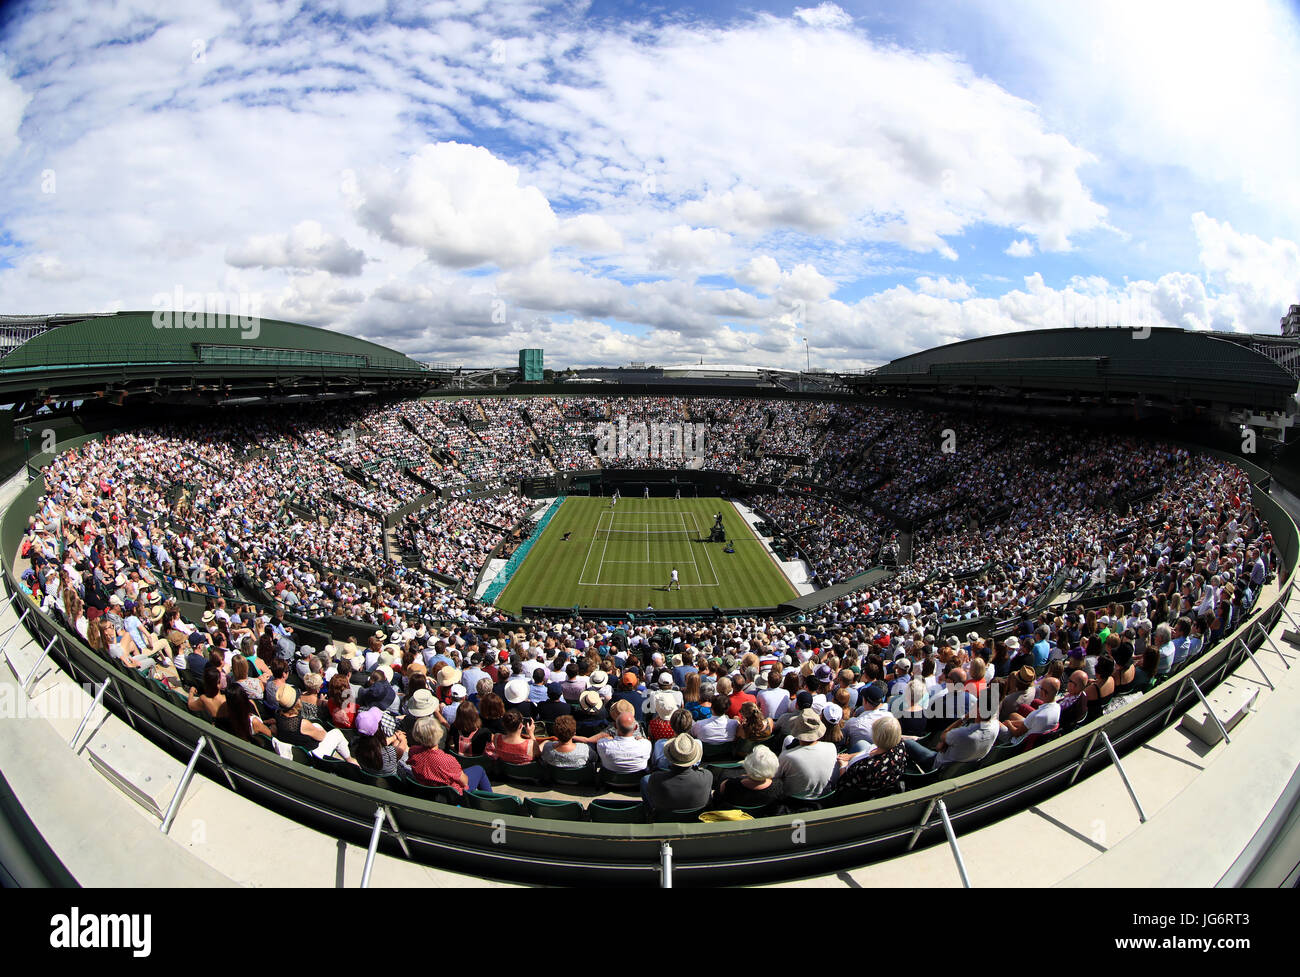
(458, 692)
(516, 691)
(450, 675)
(368, 721)
(421, 703)
(665, 706)
(807, 726)
(684, 750)
(590, 700)
(598, 679)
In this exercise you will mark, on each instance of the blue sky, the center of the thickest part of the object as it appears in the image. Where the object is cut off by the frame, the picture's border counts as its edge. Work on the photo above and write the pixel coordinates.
(618, 182)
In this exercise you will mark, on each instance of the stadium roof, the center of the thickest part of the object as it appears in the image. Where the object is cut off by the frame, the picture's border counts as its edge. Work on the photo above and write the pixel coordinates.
(133, 337)
(173, 356)
(1174, 366)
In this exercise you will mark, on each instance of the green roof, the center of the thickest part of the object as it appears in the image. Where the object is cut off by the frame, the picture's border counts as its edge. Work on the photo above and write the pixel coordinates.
(149, 337)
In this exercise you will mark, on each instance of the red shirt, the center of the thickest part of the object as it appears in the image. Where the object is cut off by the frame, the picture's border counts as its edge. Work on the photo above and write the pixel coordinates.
(433, 766)
(738, 699)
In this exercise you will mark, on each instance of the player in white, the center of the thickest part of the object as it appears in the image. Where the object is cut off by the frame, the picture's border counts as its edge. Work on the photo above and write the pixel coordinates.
(677, 496)
(613, 499)
(674, 582)
(646, 494)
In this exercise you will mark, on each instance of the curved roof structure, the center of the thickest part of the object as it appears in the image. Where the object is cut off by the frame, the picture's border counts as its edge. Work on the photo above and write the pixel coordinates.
(1249, 372)
(170, 353)
(166, 337)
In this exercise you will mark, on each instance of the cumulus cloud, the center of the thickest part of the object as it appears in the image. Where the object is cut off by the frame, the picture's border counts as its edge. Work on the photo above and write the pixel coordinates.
(687, 247)
(603, 180)
(590, 232)
(306, 246)
(823, 15)
(1262, 277)
(802, 282)
(462, 205)
(945, 287)
(13, 102)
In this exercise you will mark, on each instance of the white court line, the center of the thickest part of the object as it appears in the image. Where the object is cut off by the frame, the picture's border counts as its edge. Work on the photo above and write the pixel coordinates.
(647, 542)
(689, 549)
(589, 548)
(601, 568)
(712, 568)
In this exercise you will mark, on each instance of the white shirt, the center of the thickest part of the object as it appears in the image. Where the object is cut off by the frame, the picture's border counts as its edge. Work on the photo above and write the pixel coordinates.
(715, 729)
(624, 754)
(860, 727)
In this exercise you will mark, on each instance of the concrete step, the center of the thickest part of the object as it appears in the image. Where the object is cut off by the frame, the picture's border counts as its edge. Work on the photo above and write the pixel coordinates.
(1230, 703)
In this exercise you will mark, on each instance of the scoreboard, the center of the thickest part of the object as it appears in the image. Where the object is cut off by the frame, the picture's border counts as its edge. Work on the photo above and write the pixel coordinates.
(536, 487)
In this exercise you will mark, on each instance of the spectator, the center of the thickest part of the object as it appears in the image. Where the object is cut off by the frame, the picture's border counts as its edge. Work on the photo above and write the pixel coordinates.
(683, 787)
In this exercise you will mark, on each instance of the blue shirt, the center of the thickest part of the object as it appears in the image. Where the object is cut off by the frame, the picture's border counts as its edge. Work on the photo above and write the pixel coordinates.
(1042, 651)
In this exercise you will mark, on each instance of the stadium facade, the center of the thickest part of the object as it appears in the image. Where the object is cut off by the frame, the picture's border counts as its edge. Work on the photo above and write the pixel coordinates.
(84, 375)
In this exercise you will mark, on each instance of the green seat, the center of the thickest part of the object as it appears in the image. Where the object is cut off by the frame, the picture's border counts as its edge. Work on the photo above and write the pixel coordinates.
(486, 800)
(300, 755)
(407, 784)
(719, 751)
(573, 776)
(611, 780)
(392, 782)
(264, 741)
(338, 767)
(957, 769)
(488, 763)
(759, 811)
(616, 812)
(556, 810)
(531, 773)
(811, 802)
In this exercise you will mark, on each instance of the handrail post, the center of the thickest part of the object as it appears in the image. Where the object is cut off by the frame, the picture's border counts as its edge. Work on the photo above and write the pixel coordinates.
(14, 629)
(1087, 755)
(44, 654)
(1222, 729)
(1271, 686)
(1178, 694)
(180, 788)
(99, 697)
(1114, 757)
(952, 843)
(221, 763)
(665, 865)
(401, 836)
(925, 820)
(374, 846)
(1273, 644)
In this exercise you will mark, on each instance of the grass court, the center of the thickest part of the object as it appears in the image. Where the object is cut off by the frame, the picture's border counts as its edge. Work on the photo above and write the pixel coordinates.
(622, 557)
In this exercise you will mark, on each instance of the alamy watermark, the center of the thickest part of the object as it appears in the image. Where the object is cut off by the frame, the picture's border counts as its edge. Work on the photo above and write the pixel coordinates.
(624, 440)
(209, 310)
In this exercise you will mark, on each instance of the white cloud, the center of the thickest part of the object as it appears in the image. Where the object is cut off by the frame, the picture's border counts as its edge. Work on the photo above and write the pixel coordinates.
(686, 247)
(307, 245)
(13, 102)
(944, 287)
(462, 205)
(802, 283)
(590, 232)
(823, 15)
(1021, 248)
(1261, 277)
(1196, 87)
